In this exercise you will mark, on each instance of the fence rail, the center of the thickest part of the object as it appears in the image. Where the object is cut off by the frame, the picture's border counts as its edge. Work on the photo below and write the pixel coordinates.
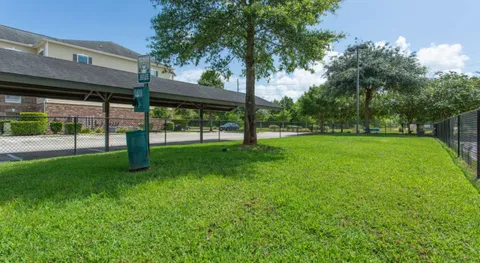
(461, 134)
(21, 138)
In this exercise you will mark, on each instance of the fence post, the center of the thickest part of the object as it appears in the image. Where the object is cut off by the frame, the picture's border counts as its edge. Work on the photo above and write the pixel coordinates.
(165, 128)
(218, 131)
(403, 129)
(333, 127)
(75, 121)
(478, 144)
(458, 136)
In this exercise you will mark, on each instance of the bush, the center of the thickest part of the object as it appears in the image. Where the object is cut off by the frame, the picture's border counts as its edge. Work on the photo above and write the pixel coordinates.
(123, 130)
(70, 128)
(400, 129)
(273, 127)
(142, 126)
(56, 126)
(36, 116)
(20, 128)
(86, 130)
(99, 130)
(2, 123)
(170, 126)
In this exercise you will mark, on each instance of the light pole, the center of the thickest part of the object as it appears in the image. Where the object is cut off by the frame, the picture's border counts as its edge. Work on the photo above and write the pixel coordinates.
(358, 91)
(357, 50)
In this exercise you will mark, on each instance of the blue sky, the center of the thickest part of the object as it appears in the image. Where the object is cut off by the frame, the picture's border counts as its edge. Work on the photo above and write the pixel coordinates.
(443, 33)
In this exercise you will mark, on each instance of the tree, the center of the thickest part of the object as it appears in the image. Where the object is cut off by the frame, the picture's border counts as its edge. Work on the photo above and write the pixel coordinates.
(264, 36)
(211, 78)
(161, 112)
(410, 106)
(317, 103)
(451, 94)
(382, 69)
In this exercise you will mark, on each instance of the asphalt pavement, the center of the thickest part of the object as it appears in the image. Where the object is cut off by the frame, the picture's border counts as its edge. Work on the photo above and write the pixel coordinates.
(18, 148)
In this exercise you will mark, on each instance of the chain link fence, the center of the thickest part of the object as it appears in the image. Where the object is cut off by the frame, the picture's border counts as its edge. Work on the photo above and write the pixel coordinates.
(461, 134)
(29, 138)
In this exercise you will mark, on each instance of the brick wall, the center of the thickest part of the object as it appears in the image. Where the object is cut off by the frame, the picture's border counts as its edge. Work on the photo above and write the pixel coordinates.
(65, 110)
(28, 104)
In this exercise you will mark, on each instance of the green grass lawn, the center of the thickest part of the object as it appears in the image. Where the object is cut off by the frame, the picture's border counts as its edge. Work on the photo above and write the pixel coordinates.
(308, 198)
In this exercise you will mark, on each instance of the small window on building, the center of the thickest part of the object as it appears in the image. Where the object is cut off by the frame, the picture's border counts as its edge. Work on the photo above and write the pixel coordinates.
(153, 73)
(13, 99)
(82, 59)
(41, 52)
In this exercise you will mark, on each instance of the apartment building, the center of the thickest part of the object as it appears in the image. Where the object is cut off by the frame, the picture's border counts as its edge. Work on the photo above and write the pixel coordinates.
(100, 53)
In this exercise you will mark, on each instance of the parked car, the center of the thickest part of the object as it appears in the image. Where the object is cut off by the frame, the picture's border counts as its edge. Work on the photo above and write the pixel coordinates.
(230, 126)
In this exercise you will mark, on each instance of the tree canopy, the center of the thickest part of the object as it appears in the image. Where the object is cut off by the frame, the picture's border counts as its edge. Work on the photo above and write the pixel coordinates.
(211, 78)
(263, 36)
(382, 69)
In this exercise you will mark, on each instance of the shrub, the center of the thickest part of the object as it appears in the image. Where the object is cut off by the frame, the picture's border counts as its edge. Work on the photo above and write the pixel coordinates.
(70, 128)
(2, 123)
(123, 130)
(99, 130)
(170, 126)
(273, 127)
(56, 126)
(86, 130)
(142, 126)
(20, 128)
(36, 116)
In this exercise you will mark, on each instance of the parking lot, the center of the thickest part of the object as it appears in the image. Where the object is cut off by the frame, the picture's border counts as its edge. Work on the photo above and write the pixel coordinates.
(17, 148)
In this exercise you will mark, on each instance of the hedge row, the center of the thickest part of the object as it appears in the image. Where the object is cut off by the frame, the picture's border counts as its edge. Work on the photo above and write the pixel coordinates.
(20, 128)
(70, 127)
(56, 126)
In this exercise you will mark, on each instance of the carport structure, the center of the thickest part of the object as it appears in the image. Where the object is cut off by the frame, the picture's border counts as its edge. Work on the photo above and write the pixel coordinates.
(31, 75)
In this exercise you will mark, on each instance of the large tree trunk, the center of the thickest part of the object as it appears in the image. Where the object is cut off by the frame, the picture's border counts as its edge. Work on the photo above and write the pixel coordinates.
(250, 132)
(368, 100)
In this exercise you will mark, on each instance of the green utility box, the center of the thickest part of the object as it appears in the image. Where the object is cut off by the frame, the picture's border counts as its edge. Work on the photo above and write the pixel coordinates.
(137, 148)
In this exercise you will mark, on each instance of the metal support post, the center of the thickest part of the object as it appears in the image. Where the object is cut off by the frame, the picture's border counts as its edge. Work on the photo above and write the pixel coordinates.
(106, 108)
(147, 123)
(458, 136)
(75, 121)
(165, 127)
(201, 124)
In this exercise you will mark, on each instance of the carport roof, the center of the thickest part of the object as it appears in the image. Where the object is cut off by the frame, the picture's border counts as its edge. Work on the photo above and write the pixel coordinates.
(32, 75)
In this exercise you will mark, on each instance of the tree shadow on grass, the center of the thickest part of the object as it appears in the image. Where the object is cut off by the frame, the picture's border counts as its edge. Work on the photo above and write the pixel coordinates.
(78, 177)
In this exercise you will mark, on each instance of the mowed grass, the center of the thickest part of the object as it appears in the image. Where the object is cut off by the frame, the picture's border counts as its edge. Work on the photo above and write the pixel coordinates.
(308, 198)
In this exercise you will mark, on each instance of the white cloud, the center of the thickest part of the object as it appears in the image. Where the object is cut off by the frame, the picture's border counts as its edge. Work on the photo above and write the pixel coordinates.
(402, 44)
(443, 57)
(189, 75)
(295, 84)
(380, 43)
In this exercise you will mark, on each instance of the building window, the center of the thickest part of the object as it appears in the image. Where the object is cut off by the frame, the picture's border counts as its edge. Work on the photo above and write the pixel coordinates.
(13, 99)
(41, 52)
(153, 73)
(82, 59)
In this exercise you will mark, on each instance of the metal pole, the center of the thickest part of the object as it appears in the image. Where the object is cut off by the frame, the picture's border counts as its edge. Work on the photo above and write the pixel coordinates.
(478, 144)
(201, 124)
(106, 106)
(147, 123)
(165, 127)
(75, 120)
(458, 136)
(358, 91)
(218, 130)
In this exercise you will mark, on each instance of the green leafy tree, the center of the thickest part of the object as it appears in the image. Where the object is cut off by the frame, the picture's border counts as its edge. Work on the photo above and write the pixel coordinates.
(410, 106)
(382, 69)
(211, 78)
(451, 94)
(264, 36)
(161, 112)
(317, 103)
